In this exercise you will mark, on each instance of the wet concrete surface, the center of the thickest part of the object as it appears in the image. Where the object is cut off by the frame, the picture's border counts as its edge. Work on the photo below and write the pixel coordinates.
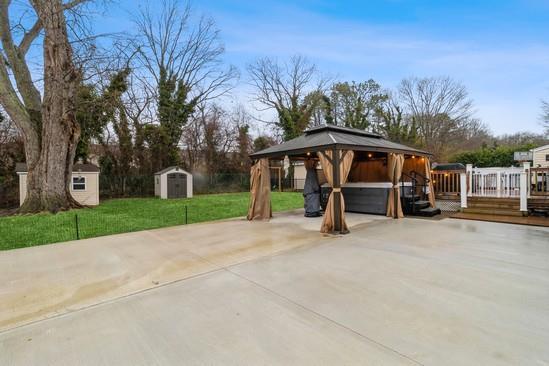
(49, 280)
(392, 292)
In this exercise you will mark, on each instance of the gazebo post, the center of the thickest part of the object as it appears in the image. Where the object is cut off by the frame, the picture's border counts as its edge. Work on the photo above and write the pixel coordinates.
(337, 191)
(396, 198)
(395, 202)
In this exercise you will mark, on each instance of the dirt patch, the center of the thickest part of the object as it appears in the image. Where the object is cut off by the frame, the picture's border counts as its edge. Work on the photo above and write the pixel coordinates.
(8, 212)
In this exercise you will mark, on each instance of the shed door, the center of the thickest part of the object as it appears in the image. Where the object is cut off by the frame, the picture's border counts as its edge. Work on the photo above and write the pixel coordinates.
(177, 185)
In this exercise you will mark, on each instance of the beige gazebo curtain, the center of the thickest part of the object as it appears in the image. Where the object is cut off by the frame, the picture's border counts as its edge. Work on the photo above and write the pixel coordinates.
(431, 194)
(260, 191)
(346, 160)
(395, 162)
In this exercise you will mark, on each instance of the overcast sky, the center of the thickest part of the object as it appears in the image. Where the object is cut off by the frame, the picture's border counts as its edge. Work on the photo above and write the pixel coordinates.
(498, 49)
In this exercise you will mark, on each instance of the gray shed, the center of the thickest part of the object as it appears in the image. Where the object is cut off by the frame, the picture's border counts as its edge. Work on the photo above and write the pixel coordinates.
(173, 182)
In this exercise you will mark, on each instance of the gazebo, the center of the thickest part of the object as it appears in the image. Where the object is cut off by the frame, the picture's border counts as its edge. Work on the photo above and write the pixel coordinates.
(344, 154)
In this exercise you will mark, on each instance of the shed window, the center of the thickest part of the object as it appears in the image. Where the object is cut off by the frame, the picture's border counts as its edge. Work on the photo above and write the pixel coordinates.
(78, 183)
(547, 157)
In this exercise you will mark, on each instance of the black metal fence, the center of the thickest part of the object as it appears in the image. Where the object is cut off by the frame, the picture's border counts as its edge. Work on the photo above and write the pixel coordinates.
(116, 187)
(143, 186)
(22, 231)
(125, 186)
(220, 183)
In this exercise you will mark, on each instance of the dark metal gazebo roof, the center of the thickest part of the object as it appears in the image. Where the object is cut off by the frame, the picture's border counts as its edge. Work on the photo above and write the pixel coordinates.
(330, 137)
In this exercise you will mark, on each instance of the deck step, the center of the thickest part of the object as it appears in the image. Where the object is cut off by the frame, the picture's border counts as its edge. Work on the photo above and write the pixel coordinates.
(492, 211)
(494, 200)
(421, 204)
(409, 197)
(538, 203)
(494, 205)
(427, 212)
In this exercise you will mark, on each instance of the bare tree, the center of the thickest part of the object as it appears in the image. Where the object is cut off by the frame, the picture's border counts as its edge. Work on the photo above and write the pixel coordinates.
(545, 115)
(441, 109)
(434, 96)
(8, 132)
(47, 122)
(183, 65)
(189, 52)
(393, 123)
(138, 107)
(521, 139)
(192, 141)
(284, 87)
(241, 121)
(353, 104)
(219, 139)
(210, 139)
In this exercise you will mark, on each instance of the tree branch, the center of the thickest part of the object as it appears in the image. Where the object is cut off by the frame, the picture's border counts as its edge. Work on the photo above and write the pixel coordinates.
(21, 73)
(29, 37)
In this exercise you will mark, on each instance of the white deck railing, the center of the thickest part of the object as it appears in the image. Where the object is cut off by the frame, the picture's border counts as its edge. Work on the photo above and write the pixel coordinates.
(509, 182)
(495, 182)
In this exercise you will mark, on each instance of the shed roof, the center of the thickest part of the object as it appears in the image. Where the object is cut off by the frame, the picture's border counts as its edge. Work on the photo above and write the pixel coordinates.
(449, 166)
(85, 168)
(330, 136)
(540, 148)
(169, 169)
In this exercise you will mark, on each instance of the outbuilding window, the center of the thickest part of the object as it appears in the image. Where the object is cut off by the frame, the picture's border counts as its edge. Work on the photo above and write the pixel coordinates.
(78, 183)
(547, 157)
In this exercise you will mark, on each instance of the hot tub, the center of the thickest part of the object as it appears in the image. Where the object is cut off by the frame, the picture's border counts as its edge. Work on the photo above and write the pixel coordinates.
(362, 197)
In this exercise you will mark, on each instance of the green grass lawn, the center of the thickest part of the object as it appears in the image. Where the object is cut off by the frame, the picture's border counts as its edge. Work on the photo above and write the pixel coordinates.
(130, 214)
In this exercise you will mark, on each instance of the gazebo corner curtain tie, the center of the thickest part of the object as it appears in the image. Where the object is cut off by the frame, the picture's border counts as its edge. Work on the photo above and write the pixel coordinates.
(345, 162)
(395, 162)
(260, 191)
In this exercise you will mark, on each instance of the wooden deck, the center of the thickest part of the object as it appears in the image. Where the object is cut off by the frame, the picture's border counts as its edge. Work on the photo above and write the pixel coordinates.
(520, 220)
(493, 206)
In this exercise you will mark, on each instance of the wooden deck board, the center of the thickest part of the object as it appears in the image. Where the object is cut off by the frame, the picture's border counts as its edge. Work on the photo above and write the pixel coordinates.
(520, 220)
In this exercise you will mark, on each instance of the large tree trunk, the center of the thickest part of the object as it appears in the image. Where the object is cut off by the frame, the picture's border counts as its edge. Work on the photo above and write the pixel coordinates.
(49, 176)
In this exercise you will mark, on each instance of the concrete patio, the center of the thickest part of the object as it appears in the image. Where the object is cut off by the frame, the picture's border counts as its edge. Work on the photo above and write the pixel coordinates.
(409, 291)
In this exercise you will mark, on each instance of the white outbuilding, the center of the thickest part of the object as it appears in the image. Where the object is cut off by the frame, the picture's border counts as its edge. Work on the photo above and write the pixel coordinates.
(540, 157)
(173, 182)
(84, 185)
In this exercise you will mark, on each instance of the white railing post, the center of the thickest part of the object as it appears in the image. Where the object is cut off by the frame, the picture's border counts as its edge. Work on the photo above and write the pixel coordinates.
(526, 167)
(498, 184)
(463, 189)
(523, 192)
(469, 172)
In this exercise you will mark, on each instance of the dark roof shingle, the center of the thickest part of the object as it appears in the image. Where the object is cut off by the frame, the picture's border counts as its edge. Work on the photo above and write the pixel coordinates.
(329, 136)
(449, 166)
